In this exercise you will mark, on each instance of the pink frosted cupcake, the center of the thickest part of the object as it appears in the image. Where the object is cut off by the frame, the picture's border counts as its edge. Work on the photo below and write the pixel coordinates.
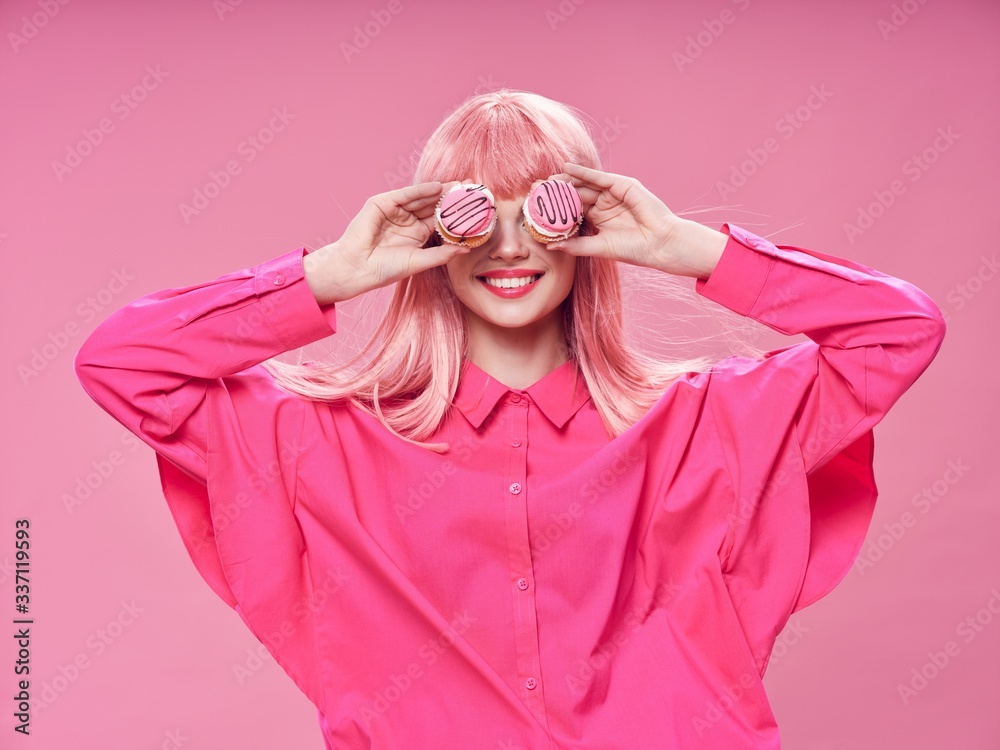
(466, 215)
(553, 211)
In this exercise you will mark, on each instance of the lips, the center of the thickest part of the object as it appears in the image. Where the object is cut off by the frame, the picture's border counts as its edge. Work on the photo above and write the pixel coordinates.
(501, 273)
(510, 282)
(518, 282)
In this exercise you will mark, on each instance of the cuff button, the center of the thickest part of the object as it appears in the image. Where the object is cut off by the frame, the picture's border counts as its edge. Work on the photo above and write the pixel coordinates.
(279, 280)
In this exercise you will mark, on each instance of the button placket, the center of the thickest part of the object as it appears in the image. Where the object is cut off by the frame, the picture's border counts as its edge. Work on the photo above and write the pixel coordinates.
(516, 410)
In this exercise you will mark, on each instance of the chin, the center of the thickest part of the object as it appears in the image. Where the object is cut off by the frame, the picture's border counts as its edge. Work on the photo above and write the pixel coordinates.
(523, 318)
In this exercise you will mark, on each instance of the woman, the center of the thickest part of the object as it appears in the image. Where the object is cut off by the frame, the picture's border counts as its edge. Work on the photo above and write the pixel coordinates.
(504, 527)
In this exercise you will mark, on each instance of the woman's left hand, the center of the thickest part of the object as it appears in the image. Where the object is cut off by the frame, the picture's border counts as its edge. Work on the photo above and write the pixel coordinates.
(634, 225)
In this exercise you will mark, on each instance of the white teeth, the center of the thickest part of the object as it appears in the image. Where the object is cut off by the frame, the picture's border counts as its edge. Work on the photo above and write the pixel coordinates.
(511, 283)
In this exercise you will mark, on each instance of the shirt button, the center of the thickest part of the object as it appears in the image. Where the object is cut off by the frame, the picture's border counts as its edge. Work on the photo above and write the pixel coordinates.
(279, 279)
(522, 583)
(515, 488)
(515, 398)
(516, 443)
(530, 683)
(751, 242)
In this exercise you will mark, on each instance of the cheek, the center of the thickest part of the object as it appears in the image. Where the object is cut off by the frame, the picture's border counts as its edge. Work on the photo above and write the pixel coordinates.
(458, 276)
(567, 272)
(454, 270)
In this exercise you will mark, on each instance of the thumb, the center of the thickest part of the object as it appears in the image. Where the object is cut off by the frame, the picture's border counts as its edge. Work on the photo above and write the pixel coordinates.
(586, 245)
(436, 255)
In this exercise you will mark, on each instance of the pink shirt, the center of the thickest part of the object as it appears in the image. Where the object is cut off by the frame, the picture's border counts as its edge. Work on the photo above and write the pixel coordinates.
(540, 585)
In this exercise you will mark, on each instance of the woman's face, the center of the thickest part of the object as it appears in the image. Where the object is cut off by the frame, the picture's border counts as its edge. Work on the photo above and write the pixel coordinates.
(511, 247)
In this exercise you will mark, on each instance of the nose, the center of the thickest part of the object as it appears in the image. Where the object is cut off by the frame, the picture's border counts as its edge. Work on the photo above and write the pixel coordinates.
(508, 242)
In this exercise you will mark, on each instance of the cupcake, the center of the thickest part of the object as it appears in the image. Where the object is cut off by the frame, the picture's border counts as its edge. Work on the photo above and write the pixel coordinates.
(466, 215)
(553, 211)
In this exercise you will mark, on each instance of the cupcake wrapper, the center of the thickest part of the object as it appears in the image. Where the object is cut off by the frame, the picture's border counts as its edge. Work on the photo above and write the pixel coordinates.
(475, 241)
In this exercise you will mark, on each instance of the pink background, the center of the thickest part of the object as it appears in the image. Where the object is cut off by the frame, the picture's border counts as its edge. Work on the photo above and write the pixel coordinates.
(358, 122)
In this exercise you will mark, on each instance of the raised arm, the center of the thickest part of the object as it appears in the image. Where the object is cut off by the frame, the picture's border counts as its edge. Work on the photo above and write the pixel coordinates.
(795, 427)
(875, 334)
(148, 364)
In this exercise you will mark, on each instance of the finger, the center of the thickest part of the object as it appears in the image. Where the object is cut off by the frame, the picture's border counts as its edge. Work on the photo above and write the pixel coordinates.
(563, 176)
(412, 192)
(421, 207)
(420, 198)
(632, 193)
(593, 177)
(437, 255)
(619, 186)
(574, 179)
(399, 203)
(588, 195)
(430, 223)
(419, 212)
(425, 210)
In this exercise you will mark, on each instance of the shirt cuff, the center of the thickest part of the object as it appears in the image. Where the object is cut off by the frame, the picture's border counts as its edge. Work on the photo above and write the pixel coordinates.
(289, 304)
(740, 274)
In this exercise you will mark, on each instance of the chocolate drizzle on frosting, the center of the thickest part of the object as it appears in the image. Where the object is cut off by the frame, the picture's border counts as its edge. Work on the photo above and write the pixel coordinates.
(555, 201)
(467, 212)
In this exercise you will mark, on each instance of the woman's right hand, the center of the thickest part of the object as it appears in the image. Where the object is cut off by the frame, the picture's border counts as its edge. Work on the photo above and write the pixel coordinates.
(381, 245)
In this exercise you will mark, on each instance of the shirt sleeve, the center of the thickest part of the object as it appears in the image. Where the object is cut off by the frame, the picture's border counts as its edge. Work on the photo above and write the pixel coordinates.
(795, 426)
(151, 364)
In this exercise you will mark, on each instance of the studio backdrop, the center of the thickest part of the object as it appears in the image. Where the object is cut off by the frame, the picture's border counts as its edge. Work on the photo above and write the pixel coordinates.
(161, 144)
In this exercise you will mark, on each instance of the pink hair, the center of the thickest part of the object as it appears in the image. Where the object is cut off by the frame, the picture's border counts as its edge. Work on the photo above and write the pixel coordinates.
(506, 140)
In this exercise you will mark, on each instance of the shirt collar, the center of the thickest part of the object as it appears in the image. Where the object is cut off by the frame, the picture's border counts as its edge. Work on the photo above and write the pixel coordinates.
(559, 395)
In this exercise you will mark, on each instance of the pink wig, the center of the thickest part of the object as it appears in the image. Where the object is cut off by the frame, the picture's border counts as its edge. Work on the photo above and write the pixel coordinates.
(506, 140)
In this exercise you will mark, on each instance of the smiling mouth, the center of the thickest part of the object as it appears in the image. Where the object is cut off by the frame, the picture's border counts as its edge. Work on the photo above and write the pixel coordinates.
(510, 282)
